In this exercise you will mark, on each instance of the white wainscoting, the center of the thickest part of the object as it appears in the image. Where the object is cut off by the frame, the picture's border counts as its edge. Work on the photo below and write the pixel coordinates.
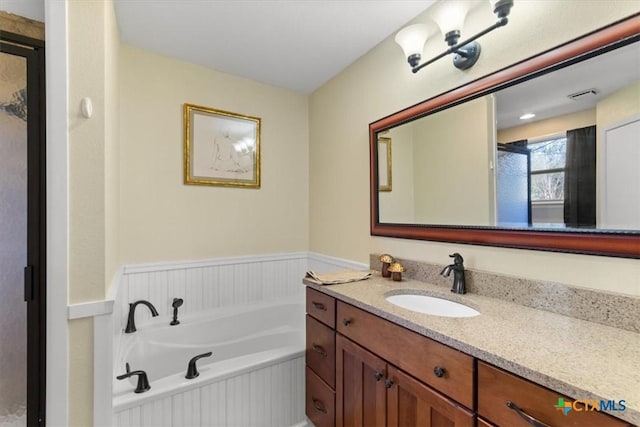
(272, 396)
(204, 285)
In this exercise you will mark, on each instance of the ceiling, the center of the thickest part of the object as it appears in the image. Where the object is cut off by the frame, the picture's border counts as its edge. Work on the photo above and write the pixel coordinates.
(547, 96)
(293, 44)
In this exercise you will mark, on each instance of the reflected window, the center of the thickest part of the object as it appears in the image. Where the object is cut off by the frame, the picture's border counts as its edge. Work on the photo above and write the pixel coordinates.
(548, 159)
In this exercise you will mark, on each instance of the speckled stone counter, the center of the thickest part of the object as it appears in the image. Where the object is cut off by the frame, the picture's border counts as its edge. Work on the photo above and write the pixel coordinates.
(581, 359)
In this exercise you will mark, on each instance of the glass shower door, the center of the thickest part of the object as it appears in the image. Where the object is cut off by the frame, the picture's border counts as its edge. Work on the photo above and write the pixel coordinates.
(513, 186)
(13, 239)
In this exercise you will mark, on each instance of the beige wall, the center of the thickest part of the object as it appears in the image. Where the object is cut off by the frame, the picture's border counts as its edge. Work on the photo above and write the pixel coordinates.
(548, 127)
(165, 220)
(380, 83)
(93, 182)
(397, 205)
(620, 105)
(453, 183)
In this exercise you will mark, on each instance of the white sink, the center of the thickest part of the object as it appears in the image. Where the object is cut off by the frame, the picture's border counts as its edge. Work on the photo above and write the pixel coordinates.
(431, 305)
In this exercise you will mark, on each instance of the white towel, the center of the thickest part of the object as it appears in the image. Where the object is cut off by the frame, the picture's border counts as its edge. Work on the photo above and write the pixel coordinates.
(333, 278)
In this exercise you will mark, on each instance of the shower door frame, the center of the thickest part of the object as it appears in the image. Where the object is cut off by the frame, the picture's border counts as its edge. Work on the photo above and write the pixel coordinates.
(33, 50)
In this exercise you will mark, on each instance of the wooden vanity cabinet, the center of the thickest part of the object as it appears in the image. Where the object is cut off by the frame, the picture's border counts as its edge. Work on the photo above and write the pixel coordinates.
(365, 371)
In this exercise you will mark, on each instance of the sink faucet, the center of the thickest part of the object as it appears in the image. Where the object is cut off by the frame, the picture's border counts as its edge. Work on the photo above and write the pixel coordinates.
(458, 273)
(131, 323)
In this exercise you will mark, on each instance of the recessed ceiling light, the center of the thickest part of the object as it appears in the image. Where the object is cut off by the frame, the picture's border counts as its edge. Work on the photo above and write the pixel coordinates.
(527, 116)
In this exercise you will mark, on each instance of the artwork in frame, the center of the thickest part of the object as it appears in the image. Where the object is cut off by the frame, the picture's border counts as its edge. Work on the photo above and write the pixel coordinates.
(384, 164)
(221, 148)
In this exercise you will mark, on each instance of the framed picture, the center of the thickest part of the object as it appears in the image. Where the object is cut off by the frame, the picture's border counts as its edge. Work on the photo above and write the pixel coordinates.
(384, 164)
(221, 148)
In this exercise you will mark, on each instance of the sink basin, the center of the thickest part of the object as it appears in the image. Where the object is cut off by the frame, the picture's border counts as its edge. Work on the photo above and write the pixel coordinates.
(432, 305)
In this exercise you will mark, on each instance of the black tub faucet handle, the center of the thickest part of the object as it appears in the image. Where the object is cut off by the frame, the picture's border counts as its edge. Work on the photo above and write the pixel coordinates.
(143, 381)
(192, 370)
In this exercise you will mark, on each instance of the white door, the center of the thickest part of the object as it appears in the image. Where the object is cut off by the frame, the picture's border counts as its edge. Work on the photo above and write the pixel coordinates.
(620, 177)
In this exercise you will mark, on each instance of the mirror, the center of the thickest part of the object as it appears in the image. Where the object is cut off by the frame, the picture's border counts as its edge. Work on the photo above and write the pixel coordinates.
(466, 168)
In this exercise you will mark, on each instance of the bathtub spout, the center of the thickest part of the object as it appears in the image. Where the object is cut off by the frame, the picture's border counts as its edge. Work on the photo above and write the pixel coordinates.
(131, 322)
(192, 370)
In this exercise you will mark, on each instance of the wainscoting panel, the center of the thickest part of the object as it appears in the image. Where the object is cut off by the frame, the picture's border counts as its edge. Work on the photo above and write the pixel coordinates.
(204, 286)
(272, 396)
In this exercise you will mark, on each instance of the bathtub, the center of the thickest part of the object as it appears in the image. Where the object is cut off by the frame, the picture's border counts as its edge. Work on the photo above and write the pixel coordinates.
(255, 376)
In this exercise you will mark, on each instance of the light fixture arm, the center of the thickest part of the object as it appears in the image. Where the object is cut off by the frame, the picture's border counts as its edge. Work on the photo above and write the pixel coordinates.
(501, 22)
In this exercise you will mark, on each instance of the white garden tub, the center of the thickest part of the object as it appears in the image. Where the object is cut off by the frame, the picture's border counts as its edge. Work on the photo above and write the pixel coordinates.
(255, 376)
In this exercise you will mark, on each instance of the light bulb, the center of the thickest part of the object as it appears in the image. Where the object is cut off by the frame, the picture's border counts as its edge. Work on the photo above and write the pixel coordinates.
(412, 39)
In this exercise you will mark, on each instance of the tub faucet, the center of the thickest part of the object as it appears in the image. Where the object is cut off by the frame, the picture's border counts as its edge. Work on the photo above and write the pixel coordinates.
(143, 381)
(459, 286)
(131, 322)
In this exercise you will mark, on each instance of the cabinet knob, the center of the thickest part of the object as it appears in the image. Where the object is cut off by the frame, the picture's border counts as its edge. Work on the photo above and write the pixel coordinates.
(388, 383)
(439, 371)
(377, 376)
(346, 322)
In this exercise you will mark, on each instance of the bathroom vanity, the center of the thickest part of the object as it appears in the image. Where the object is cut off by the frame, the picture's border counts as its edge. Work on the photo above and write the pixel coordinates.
(371, 363)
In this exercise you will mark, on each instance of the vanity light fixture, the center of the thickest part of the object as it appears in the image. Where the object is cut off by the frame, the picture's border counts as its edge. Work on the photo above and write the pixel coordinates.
(527, 116)
(450, 18)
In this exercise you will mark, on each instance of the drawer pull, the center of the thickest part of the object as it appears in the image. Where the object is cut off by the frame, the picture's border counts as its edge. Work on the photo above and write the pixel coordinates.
(319, 406)
(346, 322)
(388, 383)
(377, 376)
(439, 372)
(319, 306)
(528, 418)
(318, 349)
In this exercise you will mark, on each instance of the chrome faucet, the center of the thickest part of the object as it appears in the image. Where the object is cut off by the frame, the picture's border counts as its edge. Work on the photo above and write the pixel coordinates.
(131, 323)
(459, 286)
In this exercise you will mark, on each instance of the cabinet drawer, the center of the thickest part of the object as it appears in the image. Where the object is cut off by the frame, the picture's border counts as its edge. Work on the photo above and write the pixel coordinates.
(322, 307)
(497, 387)
(441, 367)
(321, 350)
(320, 403)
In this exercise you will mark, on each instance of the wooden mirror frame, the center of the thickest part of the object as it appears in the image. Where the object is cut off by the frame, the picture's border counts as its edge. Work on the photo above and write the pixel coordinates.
(608, 243)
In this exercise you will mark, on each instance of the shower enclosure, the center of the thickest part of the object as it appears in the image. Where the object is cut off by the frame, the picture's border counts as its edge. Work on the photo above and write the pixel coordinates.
(22, 223)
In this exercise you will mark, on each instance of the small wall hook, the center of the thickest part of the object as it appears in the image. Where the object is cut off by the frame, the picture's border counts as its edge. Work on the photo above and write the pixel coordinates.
(86, 106)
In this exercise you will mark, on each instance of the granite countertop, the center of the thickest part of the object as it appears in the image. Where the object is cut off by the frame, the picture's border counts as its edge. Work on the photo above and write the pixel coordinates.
(581, 359)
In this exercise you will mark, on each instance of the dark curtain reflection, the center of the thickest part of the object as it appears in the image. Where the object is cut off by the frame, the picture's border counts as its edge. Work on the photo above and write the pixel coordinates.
(580, 178)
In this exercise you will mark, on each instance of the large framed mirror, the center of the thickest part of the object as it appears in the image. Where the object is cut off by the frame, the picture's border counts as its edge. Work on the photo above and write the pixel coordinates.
(470, 167)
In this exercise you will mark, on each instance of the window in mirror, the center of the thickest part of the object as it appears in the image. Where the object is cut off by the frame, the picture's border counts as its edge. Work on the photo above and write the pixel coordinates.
(547, 169)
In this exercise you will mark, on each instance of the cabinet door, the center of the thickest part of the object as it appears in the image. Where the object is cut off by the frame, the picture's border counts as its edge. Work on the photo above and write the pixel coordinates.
(360, 389)
(412, 403)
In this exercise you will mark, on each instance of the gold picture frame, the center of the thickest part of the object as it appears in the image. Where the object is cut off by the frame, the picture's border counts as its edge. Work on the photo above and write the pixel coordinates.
(384, 164)
(221, 148)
